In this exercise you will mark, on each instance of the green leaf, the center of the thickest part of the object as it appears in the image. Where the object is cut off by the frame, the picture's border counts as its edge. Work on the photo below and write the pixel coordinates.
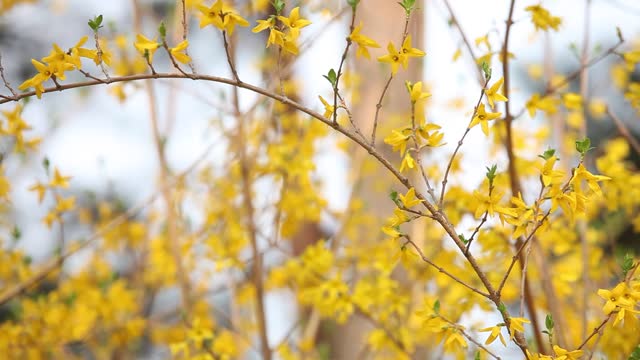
(353, 3)
(584, 145)
(331, 77)
(502, 308)
(278, 5)
(409, 86)
(627, 263)
(477, 357)
(548, 322)
(16, 233)
(548, 154)
(598, 48)
(436, 307)
(324, 351)
(486, 70)
(394, 196)
(162, 29)
(95, 23)
(491, 173)
(408, 5)
(635, 355)
(463, 239)
(46, 164)
(574, 50)
(619, 34)
(70, 299)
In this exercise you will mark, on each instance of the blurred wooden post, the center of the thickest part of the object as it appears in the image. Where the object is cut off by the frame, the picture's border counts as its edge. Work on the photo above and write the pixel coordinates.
(384, 22)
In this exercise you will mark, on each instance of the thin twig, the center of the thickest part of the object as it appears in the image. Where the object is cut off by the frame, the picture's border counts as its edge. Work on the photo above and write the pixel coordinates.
(467, 43)
(418, 153)
(595, 331)
(173, 60)
(445, 179)
(514, 179)
(172, 218)
(477, 229)
(582, 225)
(229, 56)
(572, 76)
(378, 107)
(598, 328)
(516, 256)
(399, 344)
(469, 337)
(513, 173)
(183, 9)
(4, 80)
(342, 60)
(624, 131)
(523, 280)
(257, 270)
(53, 265)
(88, 75)
(99, 55)
(356, 128)
(405, 33)
(442, 270)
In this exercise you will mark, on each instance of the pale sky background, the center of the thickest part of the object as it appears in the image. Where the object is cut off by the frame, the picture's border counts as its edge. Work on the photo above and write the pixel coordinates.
(103, 143)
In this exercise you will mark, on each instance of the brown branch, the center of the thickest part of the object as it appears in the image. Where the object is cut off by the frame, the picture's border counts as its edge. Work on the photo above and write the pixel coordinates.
(514, 180)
